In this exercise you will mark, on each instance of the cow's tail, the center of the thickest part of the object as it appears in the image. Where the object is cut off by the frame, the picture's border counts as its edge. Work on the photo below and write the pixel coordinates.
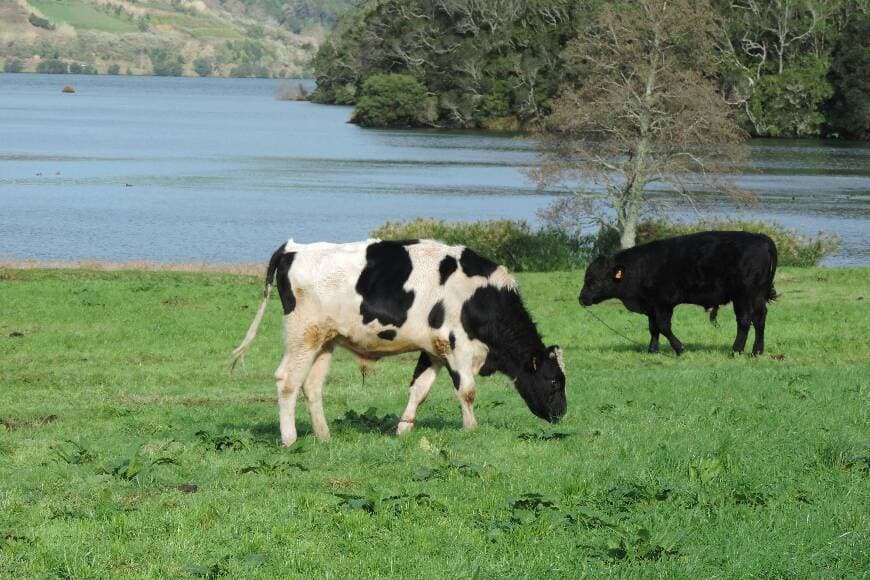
(771, 291)
(240, 350)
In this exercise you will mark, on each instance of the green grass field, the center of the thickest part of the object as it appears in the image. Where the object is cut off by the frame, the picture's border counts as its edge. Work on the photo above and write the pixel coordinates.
(82, 16)
(126, 448)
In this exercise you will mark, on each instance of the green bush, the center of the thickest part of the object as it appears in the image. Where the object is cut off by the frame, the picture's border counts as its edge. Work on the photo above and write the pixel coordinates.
(165, 63)
(52, 66)
(40, 22)
(390, 100)
(13, 65)
(520, 248)
(513, 244)
(202, 67)
(114, 69)
(793, 248)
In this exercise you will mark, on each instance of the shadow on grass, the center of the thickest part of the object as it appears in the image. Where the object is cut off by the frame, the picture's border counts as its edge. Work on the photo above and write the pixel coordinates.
(667, 351)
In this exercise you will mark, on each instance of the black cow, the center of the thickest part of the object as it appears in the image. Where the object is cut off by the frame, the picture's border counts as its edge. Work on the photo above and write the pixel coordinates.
(708, 269)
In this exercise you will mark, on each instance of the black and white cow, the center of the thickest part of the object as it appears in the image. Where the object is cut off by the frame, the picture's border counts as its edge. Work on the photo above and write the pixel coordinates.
(707, 268)
(379, 298)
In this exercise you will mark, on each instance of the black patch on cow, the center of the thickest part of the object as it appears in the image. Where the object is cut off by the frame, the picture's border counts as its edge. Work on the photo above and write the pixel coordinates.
(446, 268)
(452, 338)
(381, 282)
(285, 288)
(387, 334)
(473, 264)
(454, 376)
(423, 363)
(436, 315)
(497, 318)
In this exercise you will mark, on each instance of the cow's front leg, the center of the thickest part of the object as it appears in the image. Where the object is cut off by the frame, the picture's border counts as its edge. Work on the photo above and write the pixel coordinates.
(653, 333)
(424, 376)
(663, 320)
(461, 368)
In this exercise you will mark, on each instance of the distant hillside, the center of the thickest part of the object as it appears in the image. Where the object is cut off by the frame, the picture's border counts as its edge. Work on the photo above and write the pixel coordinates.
(244, 38)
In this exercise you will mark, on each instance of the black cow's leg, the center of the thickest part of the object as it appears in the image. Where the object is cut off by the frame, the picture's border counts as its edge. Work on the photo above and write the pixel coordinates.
(744, 319)
(663, 319)
(653, 333)
(758, 319)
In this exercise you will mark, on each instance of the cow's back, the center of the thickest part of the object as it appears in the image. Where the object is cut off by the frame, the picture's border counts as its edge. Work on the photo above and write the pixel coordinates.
(706, 268)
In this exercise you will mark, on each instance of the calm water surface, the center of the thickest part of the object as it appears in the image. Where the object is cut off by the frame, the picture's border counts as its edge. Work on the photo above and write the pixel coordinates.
(219, 170)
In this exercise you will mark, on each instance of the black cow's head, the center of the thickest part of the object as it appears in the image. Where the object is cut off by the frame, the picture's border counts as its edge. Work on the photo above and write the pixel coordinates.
(602, 281)
(542, 386)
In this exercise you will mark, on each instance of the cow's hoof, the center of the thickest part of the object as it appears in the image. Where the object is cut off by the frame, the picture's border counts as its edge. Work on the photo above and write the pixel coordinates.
(653, 350)
(288, 442)
(404, 427)
(679, 350)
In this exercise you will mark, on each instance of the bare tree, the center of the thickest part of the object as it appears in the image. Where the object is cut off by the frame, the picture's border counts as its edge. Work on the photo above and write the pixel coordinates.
(641, 107)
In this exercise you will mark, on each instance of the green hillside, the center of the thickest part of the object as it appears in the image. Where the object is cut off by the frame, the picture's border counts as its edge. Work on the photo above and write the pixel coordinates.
(262, 38)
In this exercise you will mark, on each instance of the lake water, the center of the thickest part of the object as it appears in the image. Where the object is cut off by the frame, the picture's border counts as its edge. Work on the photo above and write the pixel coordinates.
(219, 170)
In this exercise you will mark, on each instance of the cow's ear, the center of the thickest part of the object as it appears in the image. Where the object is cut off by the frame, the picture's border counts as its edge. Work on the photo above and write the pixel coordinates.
(618, 273)
(556, 355)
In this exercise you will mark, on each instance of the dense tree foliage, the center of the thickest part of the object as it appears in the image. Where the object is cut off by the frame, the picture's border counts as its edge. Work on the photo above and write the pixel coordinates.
(848, 112)
(391, 101)
(792, 67)
(486, 62)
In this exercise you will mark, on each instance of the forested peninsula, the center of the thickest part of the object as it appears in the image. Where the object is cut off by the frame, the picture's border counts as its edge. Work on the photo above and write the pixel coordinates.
(788, 68)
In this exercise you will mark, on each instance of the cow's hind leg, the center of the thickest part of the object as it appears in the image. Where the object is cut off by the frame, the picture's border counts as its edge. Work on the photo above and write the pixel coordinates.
(290, 376)
(313, 390)
(653, 333)
(663, 320)
(424, 377)
(743, 314)
(759, 316)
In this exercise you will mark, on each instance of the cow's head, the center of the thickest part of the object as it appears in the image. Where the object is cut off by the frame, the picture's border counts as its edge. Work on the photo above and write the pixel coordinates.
(603, 279)
(542, 386)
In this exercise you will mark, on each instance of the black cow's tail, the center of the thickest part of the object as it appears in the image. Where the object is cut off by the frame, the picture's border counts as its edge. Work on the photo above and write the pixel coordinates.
(771, 291)
(240, 350)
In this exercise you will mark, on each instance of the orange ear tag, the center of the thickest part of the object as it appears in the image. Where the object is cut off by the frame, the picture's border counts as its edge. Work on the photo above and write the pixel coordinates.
(618, 275)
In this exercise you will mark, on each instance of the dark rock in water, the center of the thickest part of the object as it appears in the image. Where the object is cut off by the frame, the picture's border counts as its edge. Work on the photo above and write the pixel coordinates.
(68, 89)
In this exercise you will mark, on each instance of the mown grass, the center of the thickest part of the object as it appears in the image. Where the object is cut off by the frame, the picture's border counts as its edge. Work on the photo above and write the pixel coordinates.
(82, 16)
(126, 449)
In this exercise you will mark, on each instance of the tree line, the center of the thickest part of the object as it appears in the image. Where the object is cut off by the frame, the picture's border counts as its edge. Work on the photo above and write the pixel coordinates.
(789, 68)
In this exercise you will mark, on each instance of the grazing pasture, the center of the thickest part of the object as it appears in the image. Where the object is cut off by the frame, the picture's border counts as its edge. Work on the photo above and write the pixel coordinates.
(126, 448)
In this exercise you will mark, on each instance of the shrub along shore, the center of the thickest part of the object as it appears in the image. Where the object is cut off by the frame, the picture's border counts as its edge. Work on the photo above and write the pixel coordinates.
(522, 248)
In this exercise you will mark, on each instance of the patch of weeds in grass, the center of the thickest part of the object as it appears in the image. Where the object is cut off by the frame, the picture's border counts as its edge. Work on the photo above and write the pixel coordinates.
(837, 453)
(368, 422)
(73, 452)
(706, 470)
(447, 466)
(634, 545)
(277, 467)
(624, 496)
(133, 466)
(544, 434)
(10, 538)
(378, 502)
(223, 442)
(209, 572)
